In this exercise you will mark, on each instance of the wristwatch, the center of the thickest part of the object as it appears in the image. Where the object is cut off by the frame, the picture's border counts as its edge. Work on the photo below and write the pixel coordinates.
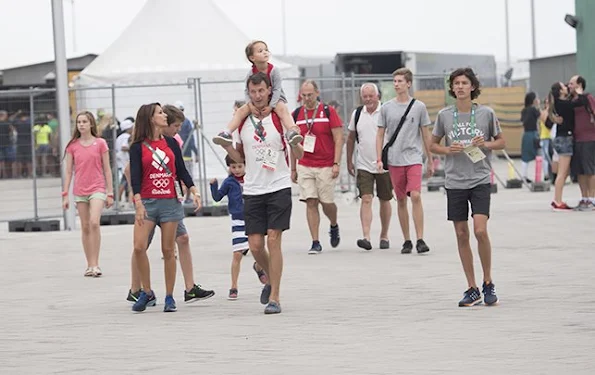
(337, 164)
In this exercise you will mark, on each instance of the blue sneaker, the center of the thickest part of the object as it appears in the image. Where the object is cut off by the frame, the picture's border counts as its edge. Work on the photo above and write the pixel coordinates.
(471, 297)
(316, 248)
(170, 304)
(489, 293)
(143, 301)
(273, 308)
(335, 237)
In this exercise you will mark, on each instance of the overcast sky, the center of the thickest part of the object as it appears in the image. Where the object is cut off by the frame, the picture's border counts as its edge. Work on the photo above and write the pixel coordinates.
(314, 27)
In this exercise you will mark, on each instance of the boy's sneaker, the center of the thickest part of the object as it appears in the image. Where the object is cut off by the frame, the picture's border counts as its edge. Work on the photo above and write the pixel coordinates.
(335, 237)
(471, 297)
(584, 206)
(489, 293)
(133, 296)
(233, 294)
(364, 243)
(407, 247)
(421, 246)
(170, 304)
(265, 294)
(223, 139)
(197, 293)
(293, 138)
(272, 308)
(384, 244)
(143, 301)
(316, 248)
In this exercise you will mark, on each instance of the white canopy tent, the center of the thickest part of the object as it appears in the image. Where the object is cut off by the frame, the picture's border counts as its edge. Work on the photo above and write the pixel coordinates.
(168, 43)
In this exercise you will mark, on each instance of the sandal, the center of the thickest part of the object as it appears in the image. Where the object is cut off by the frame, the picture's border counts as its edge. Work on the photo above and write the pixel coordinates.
(261, 275)
(97, 272)
(89, 272)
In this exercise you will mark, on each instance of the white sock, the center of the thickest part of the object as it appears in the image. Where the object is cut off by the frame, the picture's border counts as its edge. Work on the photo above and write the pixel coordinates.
(592, 200)
(525, 168)
(583, 199)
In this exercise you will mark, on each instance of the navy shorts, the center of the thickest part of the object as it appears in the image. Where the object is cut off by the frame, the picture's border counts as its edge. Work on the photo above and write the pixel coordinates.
(163, 210)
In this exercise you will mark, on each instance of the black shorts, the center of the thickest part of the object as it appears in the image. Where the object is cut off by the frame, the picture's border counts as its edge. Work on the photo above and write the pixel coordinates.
(583, 159)
(458, 202)
(267, 211)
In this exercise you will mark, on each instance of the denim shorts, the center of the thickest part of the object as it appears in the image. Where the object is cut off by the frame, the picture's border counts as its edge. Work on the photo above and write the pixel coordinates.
(87, 198)
(180, 231)
(163, 210)
(8, 153)
(564, 145)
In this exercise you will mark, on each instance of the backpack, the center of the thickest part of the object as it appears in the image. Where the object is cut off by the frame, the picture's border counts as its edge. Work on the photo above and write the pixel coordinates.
(296, 112)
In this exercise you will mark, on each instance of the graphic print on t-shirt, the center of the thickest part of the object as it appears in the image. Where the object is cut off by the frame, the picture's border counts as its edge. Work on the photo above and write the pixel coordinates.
(161, 181)
(461, 132)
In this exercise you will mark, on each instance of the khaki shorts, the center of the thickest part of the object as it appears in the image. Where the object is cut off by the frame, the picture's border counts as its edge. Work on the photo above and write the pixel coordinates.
(87, 198)
(316, 183)
(365, 184)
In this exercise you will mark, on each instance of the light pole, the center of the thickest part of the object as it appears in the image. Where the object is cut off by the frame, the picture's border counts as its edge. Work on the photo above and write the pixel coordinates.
(284, 27)
(507, 34)
(62, 95)
(533, 34)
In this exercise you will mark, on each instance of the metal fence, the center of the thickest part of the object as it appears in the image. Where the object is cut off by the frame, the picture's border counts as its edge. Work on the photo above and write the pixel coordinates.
(31, 184)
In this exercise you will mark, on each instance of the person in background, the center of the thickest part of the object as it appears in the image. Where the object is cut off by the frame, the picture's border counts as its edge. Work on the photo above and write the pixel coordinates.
(189, 145)
(529, 117)
(88, 156)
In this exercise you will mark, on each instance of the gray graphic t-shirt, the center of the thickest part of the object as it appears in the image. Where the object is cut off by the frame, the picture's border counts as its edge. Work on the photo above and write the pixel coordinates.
(461, 172)
(407, 149)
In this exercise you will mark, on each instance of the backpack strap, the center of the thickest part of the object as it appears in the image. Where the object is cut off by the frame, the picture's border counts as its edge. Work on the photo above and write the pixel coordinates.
(327, 111)
(358, 113)
(296, 113)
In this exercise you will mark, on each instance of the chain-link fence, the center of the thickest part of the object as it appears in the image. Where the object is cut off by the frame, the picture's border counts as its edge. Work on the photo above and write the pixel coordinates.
(30, 151)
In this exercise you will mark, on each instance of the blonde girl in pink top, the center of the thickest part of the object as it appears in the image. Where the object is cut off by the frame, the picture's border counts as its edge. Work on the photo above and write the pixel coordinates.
(89, 155)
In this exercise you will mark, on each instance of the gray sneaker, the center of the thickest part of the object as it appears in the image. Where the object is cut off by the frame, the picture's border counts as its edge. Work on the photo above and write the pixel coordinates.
(584, 206)
(265, 294)
(384, 244)
(223, 139)
(272, 308)
(293, 138)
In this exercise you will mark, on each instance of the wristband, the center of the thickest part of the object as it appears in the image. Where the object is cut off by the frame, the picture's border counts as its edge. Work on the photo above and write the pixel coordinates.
(64, 194)
(110, 195)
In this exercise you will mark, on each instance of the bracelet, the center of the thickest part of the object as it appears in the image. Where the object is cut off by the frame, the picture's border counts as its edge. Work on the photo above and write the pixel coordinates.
(64, 194)
(110, 195)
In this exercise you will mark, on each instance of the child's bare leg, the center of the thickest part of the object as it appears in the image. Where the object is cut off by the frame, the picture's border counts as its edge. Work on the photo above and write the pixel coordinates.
(286, 119)
(235, 268)
(292, 131)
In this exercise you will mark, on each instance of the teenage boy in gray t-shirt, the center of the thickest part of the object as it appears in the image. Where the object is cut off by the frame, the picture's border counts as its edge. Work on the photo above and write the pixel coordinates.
(471, 132)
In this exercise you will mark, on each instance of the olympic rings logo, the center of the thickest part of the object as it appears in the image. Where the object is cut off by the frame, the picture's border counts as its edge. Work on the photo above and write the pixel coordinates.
(161, 183)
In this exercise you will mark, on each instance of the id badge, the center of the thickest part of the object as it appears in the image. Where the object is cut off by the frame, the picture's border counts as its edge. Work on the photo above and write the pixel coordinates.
(309, 143)
(474, 153)
(179, 191)
(270, 159)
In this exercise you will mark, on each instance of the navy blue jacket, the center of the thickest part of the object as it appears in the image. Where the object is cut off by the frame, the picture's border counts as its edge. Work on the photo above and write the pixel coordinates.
(232, 188)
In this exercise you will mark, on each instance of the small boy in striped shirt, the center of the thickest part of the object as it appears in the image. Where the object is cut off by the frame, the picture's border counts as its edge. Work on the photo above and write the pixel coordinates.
(232, 187)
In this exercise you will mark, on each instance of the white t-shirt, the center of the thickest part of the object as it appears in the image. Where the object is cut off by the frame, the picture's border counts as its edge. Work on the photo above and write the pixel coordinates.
(367, 128)
(258, 179)
(122, 157)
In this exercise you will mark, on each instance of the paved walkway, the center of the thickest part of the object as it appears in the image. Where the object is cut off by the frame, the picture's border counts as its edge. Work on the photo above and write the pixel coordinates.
(345, 311)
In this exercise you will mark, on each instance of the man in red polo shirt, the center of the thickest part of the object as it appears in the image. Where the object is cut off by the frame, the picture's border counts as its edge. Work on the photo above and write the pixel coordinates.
(317, 171)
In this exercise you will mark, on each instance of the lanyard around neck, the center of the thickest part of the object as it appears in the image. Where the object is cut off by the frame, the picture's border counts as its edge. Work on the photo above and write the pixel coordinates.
(455, 116)
(310, 123)
(258, 128)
